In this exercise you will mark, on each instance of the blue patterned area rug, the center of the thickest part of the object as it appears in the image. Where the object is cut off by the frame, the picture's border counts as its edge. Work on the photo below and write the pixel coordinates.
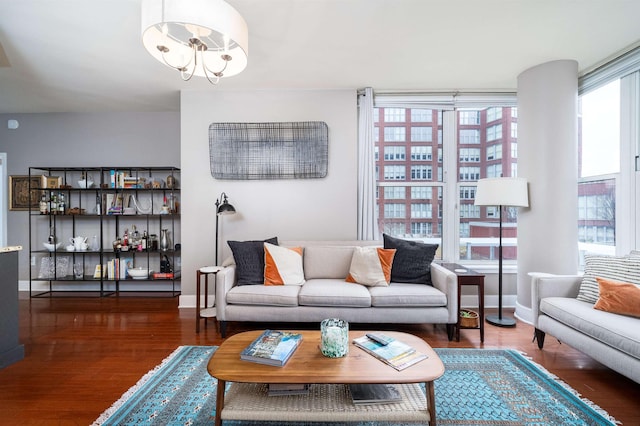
(479, 387)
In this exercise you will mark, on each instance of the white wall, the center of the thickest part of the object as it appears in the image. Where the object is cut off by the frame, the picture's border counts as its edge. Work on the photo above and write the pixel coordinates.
(298, 209)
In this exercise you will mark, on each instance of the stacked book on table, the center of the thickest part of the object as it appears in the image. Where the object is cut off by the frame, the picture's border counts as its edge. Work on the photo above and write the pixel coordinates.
(391, 351)
(272, 347)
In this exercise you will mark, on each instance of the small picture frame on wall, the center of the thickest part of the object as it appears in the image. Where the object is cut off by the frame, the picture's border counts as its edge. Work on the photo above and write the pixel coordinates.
(19, 197)
(51, 182)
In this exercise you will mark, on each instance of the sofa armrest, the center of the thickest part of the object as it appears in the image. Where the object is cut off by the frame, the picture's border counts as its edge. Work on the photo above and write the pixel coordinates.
(225, 281)
(551, 285)
(447, 282)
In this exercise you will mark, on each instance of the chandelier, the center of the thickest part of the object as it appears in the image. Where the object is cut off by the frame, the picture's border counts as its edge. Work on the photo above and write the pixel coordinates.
(205, 38)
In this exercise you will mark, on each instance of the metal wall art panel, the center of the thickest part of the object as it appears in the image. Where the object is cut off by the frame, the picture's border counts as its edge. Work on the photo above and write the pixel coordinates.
(286, 150)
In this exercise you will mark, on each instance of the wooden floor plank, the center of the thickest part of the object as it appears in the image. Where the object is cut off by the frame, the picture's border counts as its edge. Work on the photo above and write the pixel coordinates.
(82, 354)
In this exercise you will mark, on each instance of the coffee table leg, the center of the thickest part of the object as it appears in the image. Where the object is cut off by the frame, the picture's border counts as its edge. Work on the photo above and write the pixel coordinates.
(431, 402)
(220, 401)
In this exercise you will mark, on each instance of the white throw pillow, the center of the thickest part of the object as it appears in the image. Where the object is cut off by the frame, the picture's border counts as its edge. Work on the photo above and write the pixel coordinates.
(282, 265)
(371, 266)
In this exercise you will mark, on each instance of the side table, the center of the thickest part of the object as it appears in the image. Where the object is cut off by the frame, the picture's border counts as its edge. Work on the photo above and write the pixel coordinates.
(469, 277)
(206, 311)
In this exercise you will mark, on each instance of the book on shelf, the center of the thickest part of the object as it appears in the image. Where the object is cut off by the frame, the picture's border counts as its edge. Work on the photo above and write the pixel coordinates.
(272, 347)
(281, 389)
(397, 354)
(374, 393)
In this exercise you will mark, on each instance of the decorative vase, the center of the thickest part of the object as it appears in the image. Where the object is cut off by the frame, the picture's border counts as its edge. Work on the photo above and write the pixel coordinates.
(334, 337)
(164, 239)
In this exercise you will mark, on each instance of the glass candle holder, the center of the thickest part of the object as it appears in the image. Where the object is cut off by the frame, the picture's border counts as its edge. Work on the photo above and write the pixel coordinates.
(334, 337)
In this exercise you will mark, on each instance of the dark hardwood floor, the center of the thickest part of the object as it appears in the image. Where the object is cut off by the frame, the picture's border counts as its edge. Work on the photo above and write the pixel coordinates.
(82, 354)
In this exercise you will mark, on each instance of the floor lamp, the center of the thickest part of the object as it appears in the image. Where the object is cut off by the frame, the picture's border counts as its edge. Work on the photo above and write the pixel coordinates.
(223, 208)
(501, 192)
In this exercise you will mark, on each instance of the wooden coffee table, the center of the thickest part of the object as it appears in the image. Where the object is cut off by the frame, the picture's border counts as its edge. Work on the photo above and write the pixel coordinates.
(308, 365)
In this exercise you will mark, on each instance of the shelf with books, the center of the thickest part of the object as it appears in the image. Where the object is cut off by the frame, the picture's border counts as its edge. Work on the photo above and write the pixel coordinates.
(136, 220)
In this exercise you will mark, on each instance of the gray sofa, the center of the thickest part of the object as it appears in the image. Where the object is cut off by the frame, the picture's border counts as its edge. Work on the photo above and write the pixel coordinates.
(326, 294)
(611, 339)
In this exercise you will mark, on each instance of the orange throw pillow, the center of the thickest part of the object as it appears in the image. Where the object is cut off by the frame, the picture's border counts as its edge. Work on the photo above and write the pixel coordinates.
(282, 265)
(618, 298)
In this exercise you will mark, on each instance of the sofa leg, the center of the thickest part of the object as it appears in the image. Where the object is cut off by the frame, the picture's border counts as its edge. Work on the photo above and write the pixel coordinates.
(223, 328)
(539, 336)
(451, 330)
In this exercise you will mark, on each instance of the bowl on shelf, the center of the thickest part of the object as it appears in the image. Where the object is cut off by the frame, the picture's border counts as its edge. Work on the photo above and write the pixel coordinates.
(52, 247)
(138, 273)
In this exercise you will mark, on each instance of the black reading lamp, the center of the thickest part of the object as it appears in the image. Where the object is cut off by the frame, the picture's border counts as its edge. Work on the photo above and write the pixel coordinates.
(500, 192)
(223, 208)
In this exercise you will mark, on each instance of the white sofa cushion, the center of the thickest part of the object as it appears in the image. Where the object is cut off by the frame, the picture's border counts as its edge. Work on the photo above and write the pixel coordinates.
(618, 331)
(334, 292)
(327, 261)
(401, 294)
(285, 295)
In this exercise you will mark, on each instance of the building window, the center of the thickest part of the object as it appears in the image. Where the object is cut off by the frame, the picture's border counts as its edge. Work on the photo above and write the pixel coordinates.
(494, 152)
(494, 132)
(469, 211)
(494, 170)
(394, 211)
(395, 134)
(467, 192)
(421, 134)
(469, 136)
(514, 130)
(469, 118)
(469, 155)
(395, 173)
(514, 150)
(394, 193)
(421, 229)
(421, 153)
(394, 115)
(394, 153)
(376, 153)
(494, 114)
(469, 174)
(421, 193)
(421, 211)
(421, 115)
(465, 230)
(421, 172)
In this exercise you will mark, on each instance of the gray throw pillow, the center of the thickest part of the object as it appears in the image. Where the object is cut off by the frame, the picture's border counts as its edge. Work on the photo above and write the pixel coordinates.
(249, 258)
(412, 262)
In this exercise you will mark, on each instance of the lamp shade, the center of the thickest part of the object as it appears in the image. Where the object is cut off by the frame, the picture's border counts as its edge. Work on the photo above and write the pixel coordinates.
(169, 28)
(226, 208)
(502, 191)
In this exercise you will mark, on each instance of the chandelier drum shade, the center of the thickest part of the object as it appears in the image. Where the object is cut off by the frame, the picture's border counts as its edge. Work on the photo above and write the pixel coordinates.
(205, 38)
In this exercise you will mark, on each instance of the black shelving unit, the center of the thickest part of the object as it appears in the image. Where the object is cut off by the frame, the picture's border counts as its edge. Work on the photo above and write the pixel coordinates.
(119, 199)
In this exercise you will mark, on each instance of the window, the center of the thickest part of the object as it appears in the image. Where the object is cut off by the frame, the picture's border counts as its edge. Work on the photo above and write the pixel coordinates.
(421, 193)
(395, 173)
(421, 172)
(469, 136)
(494, 114)
(599, 168)
(421, 210)
(469, 173)
(494, 132)
(394, 193)
(394, 134)
(494, 152)
(421, 115)
(469, 117)
(514, 150)
(392, 115)
(469, 155)
(417, 207)
(467, 192)
(421, 134)
(514, 130)
(394, 211)
(394, 153)
(421, 153)
(494, 170)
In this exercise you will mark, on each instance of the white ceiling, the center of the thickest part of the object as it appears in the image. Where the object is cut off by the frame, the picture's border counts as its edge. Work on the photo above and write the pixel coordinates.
(86, 55)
